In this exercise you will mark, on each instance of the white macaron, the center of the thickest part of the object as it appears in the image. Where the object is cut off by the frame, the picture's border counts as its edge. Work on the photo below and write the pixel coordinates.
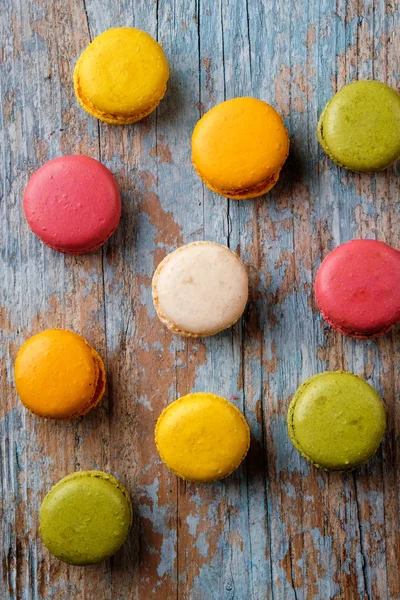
(200, 289)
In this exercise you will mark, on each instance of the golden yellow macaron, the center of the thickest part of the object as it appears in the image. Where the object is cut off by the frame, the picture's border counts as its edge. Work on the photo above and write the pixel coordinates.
(239, 148)
(202, 437)
(58, 375)
(121, 76)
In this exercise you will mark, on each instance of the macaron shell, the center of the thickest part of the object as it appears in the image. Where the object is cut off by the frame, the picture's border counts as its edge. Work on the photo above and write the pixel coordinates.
(72, 203)
(336, 420)
(357, 288)
(85, 518)
(202, 437)
(200, 289)
(58, 375)
(121, 76)
(359, 128)
(239, 147)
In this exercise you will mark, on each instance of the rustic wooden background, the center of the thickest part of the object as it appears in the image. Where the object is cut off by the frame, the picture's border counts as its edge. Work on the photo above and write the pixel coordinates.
(277, 528)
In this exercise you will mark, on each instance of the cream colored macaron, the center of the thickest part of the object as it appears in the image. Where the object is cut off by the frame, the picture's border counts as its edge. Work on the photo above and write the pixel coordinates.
(200, 289)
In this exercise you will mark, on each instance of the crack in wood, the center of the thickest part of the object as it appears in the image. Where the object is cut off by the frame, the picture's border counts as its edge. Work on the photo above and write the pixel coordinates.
(361, 539)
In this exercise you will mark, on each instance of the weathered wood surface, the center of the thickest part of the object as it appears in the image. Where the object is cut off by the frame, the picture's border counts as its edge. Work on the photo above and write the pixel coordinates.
(277, 528)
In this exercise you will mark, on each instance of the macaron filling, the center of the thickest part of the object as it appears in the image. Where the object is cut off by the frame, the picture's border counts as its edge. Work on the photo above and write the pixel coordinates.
(84, 250)
(114, 119)
(351, 332)
(99, 386)
(243, 193)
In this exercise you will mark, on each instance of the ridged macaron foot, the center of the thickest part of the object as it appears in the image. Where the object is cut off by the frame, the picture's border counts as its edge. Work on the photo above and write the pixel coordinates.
(357, 288)
(336, 420)
(85, 518)
(239, 148)
(58, 375)
(202, 437)
(72, 203)
(359, 128)
(121, 76)
(200, 289)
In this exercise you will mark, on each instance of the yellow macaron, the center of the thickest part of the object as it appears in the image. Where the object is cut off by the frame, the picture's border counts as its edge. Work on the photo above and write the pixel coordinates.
(239, 148)
(202, 437)
(58, 375)
(121, 76)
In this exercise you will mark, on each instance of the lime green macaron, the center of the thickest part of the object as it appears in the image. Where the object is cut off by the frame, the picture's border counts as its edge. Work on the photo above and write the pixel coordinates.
(86, 517)
(336, 420)
(359, 128)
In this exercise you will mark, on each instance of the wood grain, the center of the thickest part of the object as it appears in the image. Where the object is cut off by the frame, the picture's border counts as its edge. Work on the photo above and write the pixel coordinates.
(277, 528)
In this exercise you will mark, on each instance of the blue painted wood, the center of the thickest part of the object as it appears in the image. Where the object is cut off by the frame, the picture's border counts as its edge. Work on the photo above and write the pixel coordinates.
(277, 528)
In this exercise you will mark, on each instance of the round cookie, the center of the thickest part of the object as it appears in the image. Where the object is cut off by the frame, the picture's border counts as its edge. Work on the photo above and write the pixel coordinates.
(239, 148)
(202, 437)
(357, 288)
(58, 375)
(359, 128)
(85, 518)
(72, 204)
(336, 420)
(121, 76)
(200, 289)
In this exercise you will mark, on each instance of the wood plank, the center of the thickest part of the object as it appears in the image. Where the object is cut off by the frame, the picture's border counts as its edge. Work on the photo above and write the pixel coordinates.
(277, 528)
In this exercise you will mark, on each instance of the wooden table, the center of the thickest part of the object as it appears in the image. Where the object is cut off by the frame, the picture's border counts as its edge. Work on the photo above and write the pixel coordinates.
(277, 528)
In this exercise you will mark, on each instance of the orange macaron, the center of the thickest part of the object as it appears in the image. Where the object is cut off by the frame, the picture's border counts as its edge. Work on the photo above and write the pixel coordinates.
(239, 148)
(58, 375)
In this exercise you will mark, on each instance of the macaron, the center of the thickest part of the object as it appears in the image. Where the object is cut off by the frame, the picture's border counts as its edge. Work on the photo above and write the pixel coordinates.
(202, 437)
(200, 289)
(58, 375)
(85, 518)
(357, 288)
(121, 76)
(239, 148)
(336, 420)
(72, 204)
(359, 128)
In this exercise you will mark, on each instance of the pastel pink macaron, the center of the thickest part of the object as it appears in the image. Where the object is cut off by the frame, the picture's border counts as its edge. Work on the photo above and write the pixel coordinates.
(357, 288)
(72, 203)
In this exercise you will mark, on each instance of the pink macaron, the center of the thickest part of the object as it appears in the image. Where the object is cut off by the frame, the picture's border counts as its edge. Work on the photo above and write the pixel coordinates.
(72, 203)
(357, 288)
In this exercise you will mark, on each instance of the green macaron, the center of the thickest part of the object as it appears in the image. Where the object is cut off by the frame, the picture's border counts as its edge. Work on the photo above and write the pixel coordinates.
(85, 517)
(336, 420)
(359, 128)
